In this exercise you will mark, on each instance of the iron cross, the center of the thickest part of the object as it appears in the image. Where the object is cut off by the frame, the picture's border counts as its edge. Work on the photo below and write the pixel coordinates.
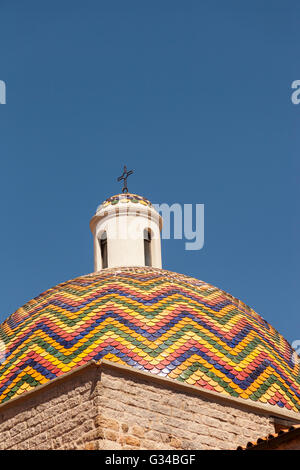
(124, 177)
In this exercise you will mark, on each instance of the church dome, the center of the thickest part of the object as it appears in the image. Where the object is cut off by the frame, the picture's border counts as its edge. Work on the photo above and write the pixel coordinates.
(154, 320)
(123, 199)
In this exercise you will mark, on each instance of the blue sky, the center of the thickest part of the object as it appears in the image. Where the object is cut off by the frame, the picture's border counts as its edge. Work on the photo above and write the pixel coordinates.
(194, 96)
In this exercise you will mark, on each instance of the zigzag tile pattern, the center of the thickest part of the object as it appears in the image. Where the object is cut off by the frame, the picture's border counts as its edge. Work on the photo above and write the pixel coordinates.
(154, 320)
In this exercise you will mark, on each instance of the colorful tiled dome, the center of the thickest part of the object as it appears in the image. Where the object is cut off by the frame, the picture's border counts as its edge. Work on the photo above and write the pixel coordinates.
(154, 320)
(124, 198)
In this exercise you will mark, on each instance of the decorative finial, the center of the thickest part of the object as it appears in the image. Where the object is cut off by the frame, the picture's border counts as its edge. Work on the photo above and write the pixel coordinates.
(124, 177)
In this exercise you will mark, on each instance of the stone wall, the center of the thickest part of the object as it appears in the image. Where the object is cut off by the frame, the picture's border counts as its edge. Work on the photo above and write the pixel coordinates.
(59, 415)
(103, 407)
(153, 416)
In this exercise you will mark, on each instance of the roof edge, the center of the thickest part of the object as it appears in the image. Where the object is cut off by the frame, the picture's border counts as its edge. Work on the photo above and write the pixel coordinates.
(271, 441)
(257, 407)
